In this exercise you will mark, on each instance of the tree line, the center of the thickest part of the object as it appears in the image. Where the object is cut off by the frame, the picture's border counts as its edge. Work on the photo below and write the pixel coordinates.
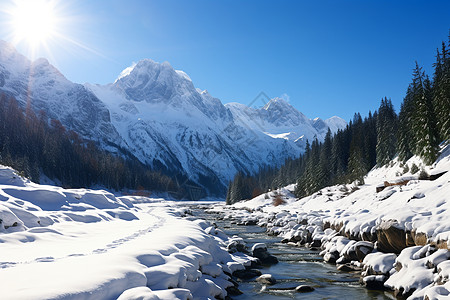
(35, 146)
(421, 125)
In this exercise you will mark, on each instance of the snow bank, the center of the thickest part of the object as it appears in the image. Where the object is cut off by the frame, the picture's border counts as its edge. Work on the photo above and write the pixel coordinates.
(354, 225)
(86, 244)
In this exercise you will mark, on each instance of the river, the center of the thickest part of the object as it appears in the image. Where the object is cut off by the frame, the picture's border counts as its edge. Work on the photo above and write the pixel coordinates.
(297, 266)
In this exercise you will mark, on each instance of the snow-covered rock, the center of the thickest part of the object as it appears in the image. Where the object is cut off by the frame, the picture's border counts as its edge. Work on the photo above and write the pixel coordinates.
(352, 226)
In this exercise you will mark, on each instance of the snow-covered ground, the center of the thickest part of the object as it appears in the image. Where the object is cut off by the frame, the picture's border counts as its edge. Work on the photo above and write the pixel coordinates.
(409, 220)
(57, 243)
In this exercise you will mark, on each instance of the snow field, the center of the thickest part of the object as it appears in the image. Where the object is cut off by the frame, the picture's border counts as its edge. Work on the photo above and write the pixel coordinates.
(85, 244)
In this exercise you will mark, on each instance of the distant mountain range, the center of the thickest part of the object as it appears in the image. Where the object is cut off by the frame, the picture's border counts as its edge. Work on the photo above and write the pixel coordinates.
(156, 114)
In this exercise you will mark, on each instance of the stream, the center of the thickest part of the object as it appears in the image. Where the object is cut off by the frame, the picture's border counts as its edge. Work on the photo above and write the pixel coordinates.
(297, 266)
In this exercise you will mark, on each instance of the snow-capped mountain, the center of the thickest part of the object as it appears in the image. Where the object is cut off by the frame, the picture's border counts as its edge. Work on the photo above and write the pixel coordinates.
(42, 86)
(278, 119)
(154, 112)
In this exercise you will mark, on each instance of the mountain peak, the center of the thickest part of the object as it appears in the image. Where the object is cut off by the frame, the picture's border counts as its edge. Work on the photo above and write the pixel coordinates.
(41, 61)
(282, 113)
(184, 75)
(277, 103)
(335, 123)
(148, 70)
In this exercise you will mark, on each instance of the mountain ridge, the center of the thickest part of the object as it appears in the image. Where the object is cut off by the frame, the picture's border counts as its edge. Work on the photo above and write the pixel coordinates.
(156, 113)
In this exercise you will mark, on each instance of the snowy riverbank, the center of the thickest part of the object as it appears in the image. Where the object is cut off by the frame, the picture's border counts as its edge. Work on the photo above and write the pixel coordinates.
(398, 237)
(84, 244)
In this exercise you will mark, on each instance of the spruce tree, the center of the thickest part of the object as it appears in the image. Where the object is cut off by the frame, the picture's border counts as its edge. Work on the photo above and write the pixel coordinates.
(228, 197)
(325, 172)
(386, 128)
(441, 92)
(424, 120)
(357, 165)
(236, 189)
(405, 142)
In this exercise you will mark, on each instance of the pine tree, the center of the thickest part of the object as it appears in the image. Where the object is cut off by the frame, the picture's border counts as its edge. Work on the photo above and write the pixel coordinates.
(325, 172)
(357, 165)
(424, 120)
(228, 197)
(236, 189)
(405, 142)
(338, 161)
(386, 128)
(441, 92)
(302, 182)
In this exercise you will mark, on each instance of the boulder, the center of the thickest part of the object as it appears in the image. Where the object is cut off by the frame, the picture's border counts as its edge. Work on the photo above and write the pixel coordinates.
(266, 279)
(331, 257)
(401, 294)
(236, 244)
(390, 237)
(247, 273)
(361, 249)
(348, 268)
(260, 251)
(420, 238)
(233, 291)
(304, 288)
(374, 282)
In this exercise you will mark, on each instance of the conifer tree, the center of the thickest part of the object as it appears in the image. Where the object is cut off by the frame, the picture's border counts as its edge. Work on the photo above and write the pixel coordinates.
(424, 120)
(228, 197)
(405, 142)
(370, 138)
(441, 92)
(357, 165)
(386, 127)
(325, 172)
(302, 182)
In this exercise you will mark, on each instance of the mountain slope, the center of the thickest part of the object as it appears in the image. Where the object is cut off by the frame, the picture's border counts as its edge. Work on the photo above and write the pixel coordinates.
(279, 119)
(42, 86)
(155, 113)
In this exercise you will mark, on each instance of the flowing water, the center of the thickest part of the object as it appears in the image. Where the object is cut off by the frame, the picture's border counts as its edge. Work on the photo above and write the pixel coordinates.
(297, 266)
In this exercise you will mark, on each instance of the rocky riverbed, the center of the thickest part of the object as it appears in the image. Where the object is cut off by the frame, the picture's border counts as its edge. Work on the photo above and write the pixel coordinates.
(416, 272)
(286, 272)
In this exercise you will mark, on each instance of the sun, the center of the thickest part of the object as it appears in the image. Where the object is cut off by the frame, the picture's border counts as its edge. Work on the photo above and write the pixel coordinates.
(33, 21)
(45, 28)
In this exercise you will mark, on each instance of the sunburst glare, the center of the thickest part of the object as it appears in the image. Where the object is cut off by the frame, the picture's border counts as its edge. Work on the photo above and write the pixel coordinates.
(41, 27)
(33, 22)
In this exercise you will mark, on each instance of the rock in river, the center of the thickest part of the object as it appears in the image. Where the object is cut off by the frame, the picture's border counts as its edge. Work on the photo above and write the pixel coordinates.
(266, 279)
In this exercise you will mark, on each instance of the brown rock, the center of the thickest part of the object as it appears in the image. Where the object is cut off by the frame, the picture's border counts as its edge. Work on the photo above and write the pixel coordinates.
(420, 238)
(390, 237)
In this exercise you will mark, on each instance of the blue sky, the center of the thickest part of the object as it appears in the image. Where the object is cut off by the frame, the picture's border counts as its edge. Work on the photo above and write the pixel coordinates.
(329, 57)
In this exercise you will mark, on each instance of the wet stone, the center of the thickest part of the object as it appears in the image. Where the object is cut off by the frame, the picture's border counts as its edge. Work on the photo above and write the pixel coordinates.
(247, 274)
(266, 279)
(304, 289)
